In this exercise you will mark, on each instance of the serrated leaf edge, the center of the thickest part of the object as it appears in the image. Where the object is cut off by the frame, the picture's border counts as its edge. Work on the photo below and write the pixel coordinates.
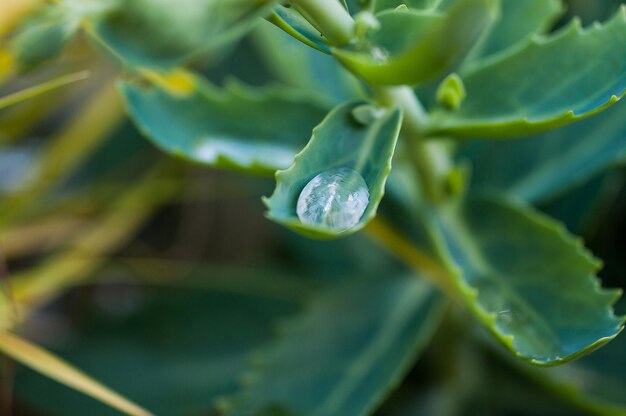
(525, 125)
(489, 318)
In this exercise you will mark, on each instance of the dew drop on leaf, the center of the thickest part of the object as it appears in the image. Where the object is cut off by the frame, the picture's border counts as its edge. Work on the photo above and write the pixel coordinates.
(335, 199)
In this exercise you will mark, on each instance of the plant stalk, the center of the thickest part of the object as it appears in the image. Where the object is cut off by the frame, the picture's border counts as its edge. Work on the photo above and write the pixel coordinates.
(329, 17)
(429, 158)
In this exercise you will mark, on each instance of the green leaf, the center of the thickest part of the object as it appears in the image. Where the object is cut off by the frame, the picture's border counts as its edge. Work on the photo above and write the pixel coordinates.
(380, 5)
(591, 11)
(596, 382)
(545, 165)
(350, 348)
(292, 22)
(237, 127)
(531, 283)
(575, 73)
(176, 345)
(413, 46)
(304, 68)
(43, 36)
(583, 208)
(161, 34)
(340, 141)
(519, 20)
(51, 366)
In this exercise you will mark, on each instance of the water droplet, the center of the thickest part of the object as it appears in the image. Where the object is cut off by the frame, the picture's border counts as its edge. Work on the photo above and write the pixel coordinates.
(335, 199)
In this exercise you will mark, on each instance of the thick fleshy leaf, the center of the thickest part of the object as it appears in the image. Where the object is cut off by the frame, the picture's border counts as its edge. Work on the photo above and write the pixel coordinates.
(292, 22)
(351, 347)
(519, 20)
(162, 34)
(47, 32)
(592, 11)
(531, 283)
(340, 141)
(413, 46)
(545, 165)
(596, 383)
(42, 361)
(380, 5)
(256, 130)
(174, 347)
(43, 36)
(575, 73)
(583, 207)
(304, 68)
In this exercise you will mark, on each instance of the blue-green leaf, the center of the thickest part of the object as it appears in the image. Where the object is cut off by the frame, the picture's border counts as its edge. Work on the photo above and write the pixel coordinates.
(47, 32)
(256, 130)
(175, 348)
(546, 83)
(415, 45)
(531, 283)
(595, 383)
(304, 68)
(380, 5)
(341, 141)
(42, 37)
(162, 34)
(542, 166)
(519, 20)
(292, 22)
(350, 348)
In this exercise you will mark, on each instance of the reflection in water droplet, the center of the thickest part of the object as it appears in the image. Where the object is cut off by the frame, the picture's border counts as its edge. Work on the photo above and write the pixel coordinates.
(335, 199)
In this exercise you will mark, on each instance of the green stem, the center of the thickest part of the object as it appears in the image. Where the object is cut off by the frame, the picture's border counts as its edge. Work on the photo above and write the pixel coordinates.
(430, 159)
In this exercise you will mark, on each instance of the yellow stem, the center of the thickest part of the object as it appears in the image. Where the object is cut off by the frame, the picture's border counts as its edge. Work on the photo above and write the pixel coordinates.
(405, 251)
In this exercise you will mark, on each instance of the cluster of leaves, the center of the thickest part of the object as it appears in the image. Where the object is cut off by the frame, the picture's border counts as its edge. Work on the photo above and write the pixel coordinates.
(519, 71)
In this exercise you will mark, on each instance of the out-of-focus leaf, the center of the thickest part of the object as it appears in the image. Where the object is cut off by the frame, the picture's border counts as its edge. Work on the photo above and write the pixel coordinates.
(255, 130)
(45, 35)
(413, 4)
(162, 34)
(292, 22)
(575, 73)
(545, 165)
(51, 366)
(42, 38)
(347, 361)
(340, 141)
(530, 282)
(592, 11)
(304, 68)
(174, 346)
(31, 92)
(519, 20)
(583, 207)
(413, 45)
